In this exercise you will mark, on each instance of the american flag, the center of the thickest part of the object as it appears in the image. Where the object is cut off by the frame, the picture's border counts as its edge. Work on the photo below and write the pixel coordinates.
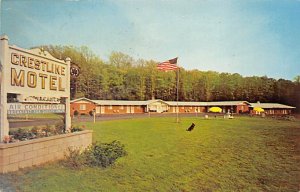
(169, 65)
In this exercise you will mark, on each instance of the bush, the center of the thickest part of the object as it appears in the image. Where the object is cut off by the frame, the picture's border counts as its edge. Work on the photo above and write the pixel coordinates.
(22, 135)
(38, 132)
(48, 130)
(76, 129)
(76, 113)
(35, 130)
(91, 113)
(60, 128)
(97, 154)
(104, 154)
(289, 118)
(74, 158)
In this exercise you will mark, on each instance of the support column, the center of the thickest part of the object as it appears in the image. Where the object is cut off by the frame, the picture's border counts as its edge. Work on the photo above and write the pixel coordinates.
(67, 104)
(4, 74)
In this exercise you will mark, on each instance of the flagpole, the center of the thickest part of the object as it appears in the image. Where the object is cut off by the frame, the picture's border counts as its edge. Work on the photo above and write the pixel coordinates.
(172, 65)
(177, 85)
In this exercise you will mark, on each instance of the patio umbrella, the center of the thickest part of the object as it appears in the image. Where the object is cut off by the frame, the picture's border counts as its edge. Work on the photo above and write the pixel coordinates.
(215, 109)
(258, 109)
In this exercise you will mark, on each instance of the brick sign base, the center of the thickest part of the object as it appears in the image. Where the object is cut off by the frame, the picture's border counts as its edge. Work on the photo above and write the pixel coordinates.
(14, 156)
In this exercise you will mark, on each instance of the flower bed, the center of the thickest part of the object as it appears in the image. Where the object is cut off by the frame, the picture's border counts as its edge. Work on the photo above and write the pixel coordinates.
(14, 156)
(37, 132)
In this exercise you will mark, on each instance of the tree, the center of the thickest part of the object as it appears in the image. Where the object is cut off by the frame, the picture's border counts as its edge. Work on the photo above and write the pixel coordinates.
(120, 60)
(122, 77)
(297, 79)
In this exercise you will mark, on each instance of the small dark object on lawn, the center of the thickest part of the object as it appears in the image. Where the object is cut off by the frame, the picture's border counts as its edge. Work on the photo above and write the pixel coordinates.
(191, 127)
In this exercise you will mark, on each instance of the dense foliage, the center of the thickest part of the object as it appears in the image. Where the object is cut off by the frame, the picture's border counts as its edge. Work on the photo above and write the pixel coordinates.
(23, 134)
(97, 154)
(123, 77)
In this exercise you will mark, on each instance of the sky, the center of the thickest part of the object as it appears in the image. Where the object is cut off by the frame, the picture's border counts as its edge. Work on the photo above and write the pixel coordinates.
(249, 37)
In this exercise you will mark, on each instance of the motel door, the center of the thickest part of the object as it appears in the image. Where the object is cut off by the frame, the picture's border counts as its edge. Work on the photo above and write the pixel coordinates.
(175, 109)
(102, 109)
(97, 109)
(128, 109)
(159, 109)
(132, 109)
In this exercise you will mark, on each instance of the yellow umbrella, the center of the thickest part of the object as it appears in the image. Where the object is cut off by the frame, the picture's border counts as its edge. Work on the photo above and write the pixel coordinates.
(215, 109)
(258, 109)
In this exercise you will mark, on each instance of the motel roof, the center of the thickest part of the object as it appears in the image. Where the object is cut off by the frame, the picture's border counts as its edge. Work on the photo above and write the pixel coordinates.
(227, 103)
(82, 98)
(213, 103)
(183, 103)
(271, 106)
(119, 102)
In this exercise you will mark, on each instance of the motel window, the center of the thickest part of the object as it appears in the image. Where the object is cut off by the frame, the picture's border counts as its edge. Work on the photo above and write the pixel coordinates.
(110, 107)
(82, 107)
(121, 107)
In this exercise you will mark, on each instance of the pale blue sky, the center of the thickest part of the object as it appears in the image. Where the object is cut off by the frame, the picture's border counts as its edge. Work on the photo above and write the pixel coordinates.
(251, 37)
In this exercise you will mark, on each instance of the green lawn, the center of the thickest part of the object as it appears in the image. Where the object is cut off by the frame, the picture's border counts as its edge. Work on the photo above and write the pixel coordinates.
(242, 154)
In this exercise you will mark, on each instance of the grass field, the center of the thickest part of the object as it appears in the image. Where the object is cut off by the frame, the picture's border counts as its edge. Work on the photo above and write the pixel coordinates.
(241, 154)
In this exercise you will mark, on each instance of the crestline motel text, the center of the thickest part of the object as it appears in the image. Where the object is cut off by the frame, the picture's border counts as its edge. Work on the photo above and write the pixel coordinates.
(30, 78)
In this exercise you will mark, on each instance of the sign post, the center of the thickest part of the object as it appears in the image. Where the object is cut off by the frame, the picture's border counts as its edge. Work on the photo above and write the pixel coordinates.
(67, 103)
(4, 125)
(94, 115)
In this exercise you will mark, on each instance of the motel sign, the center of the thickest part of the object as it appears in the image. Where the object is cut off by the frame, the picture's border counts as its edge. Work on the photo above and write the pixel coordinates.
(32, 81)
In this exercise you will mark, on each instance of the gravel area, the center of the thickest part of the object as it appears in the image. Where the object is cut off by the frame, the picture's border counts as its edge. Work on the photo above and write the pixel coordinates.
(5, 185)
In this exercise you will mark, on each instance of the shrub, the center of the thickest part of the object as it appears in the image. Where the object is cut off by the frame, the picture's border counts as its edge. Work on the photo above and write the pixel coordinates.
(21, 134)
(91, 113)
(76, 113)
(289, 118)
(97, 154)
(47, 130)
(59, 127)
(35, 130)
(74, 158)
(76, 129)
(104, 154)
(8, 139)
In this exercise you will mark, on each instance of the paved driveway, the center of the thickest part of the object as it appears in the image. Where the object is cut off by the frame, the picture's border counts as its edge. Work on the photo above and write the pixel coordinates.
(86, 118)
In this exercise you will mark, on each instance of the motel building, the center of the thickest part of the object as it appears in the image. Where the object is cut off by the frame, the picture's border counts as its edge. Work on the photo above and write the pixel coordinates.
(85, 106)
(271, 108)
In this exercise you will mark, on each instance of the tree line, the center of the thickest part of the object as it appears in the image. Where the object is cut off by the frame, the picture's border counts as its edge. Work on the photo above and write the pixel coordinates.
(125, 78)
